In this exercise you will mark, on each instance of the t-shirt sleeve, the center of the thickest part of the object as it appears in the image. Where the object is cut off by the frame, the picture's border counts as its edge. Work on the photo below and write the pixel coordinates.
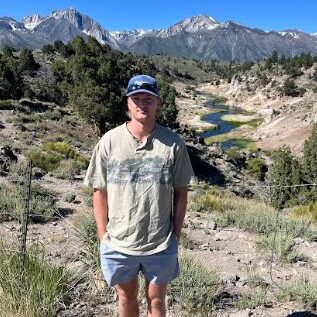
(183, 171)
(96, 175)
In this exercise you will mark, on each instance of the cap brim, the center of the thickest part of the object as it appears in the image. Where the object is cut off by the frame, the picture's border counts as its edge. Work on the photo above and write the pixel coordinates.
(139, 91)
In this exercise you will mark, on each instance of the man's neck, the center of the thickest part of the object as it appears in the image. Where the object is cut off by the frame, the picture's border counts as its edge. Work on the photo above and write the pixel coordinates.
(140, 130)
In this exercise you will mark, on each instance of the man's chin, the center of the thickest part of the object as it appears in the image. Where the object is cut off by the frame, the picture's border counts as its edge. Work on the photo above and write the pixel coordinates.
(143, 116)
(144, 119)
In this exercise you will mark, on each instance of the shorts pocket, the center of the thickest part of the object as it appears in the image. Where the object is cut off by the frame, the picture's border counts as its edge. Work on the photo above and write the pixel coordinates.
(104, 249)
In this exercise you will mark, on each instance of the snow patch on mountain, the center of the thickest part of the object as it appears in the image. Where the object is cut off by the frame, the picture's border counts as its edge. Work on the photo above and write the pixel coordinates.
(191, 25)
(293, 34)
(136, 33)
(32, 21)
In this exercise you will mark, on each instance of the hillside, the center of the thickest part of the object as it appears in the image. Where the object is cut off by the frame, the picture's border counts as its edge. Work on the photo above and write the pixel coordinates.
(240, 257)
(221, 232)
(286, 120)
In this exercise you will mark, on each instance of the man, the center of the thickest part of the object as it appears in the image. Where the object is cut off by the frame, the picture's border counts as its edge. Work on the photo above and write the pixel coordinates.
(140, 172)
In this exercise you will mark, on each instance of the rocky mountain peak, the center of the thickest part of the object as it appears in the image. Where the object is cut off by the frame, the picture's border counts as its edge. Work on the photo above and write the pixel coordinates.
(198, 23)
(294, 33)
(85, 24)
(8, 23)
(61, 13)
(127, 38)
(31, 21)
(191, 25)
(71, 14)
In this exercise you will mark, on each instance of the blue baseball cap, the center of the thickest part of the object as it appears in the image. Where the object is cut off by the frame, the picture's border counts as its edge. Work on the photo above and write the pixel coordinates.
(142, 83)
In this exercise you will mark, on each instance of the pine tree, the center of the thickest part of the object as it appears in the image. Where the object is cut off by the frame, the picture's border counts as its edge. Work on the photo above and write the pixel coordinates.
(27, 61)
(310, 161)
(290, 88)
(168, 113)
(282, 174)
(11, 82)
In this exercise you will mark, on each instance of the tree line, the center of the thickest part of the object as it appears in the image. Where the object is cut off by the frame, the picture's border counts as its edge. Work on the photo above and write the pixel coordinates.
(88, 76)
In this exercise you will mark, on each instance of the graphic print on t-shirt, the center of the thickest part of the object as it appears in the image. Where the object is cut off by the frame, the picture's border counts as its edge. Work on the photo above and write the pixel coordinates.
(148, 170)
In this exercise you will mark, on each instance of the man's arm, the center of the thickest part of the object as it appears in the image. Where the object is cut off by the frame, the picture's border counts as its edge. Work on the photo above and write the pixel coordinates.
(100, 201)
(180, 205)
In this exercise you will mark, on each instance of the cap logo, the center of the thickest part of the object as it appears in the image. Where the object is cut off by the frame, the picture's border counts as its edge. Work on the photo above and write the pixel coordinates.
(142, 83)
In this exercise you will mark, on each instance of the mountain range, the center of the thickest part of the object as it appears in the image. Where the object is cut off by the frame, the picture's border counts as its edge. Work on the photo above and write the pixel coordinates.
(200, 37)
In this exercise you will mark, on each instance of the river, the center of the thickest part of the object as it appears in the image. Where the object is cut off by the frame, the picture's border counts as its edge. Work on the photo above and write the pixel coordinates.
(223, 126)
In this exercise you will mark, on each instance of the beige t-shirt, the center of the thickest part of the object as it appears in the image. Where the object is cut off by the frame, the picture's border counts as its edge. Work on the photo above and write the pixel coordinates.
(139, 179)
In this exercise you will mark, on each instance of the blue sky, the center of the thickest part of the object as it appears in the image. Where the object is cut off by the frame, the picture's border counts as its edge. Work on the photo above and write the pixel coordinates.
(132, 14)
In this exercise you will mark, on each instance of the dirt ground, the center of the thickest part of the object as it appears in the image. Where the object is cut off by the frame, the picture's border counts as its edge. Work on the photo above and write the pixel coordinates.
(231, 253)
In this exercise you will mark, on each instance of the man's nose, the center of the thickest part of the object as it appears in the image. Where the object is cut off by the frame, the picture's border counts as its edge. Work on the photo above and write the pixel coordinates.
(142, 103)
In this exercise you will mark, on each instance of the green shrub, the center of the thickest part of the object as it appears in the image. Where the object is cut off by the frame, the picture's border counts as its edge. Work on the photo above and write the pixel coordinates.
(6, 105)
(46, 161)
(234, 154)
(207, 200)
(38, 292)
(257, 168)
(252, 300)
(42, 203)
(282, 245)
(70, 197)
(88, 195)
(65, 149)
(86, 233)
(17, 172)
(205, 203)
(51, 156)
(286, 170)
(289, 88)
(302, 291)
(255, 281)
(67, 169)
(52, 115)
(196, 289)
(309, 211)
(258, 217)
(10, 202)
(59, 147)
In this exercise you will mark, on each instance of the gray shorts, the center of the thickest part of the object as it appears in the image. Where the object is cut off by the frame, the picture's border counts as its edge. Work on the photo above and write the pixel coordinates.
(158, 268)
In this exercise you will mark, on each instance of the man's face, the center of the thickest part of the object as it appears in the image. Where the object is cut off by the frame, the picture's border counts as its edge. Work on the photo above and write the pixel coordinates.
(143, 107)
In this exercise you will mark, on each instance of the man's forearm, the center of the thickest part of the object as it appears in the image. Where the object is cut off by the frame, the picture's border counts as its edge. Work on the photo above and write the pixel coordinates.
(100, 202)
(180, 205)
